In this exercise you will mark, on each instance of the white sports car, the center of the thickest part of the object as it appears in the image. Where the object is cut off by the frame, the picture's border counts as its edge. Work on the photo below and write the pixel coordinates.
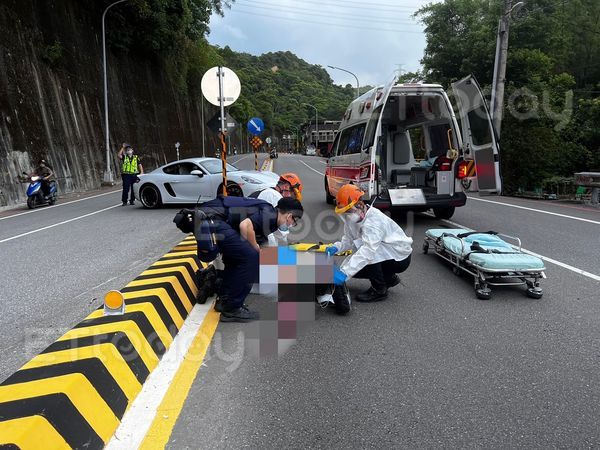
(197, 180)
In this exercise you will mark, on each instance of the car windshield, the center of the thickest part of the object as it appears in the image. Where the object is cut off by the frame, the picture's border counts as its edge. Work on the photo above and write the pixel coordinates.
(216, 166)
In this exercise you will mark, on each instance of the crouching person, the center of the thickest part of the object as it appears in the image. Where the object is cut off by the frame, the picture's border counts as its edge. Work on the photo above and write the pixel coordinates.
(380, 247)
(235, 227)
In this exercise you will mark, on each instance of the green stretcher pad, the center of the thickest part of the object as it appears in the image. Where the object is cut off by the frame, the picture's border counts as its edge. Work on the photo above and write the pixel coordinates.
(503, 257)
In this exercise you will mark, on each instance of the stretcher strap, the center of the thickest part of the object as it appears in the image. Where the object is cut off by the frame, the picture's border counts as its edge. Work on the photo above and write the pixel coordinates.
(464, 235)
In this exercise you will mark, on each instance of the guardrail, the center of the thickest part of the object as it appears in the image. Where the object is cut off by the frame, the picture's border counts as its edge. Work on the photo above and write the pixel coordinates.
(75, 392)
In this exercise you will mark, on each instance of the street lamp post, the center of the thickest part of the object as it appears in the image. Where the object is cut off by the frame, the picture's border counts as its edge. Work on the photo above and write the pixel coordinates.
(108, 175)
(497, 100)
(347, 71)
(316, 122)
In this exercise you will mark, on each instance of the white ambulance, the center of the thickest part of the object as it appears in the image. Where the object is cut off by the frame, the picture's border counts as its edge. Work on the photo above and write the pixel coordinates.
(403, 146)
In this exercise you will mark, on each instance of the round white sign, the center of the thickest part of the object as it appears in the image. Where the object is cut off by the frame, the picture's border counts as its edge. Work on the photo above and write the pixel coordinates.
(231, 86)
(268, 140)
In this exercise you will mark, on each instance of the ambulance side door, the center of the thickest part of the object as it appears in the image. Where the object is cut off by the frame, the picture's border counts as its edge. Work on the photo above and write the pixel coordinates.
(479, 140)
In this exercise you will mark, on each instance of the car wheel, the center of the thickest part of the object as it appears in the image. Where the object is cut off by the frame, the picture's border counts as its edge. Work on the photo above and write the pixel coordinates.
(328, 197)
(444, 213)
(150, 196)
(233, 189)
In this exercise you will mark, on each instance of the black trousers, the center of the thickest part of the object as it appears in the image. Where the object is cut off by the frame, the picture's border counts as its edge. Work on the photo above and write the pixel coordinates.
(381, 273)
(128, 181)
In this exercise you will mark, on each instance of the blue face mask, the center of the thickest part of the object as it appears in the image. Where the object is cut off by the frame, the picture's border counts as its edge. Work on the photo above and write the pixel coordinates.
(284, 228)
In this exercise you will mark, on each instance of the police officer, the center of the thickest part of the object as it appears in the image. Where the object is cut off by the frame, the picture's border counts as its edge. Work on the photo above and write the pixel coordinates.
(380, 247)
(240, 226)
(129, 171)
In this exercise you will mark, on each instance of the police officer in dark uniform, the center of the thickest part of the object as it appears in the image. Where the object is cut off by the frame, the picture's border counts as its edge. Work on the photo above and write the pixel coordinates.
(240, 225)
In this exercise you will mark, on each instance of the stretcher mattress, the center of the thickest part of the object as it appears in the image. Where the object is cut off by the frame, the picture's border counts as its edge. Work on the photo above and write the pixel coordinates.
(504, 256)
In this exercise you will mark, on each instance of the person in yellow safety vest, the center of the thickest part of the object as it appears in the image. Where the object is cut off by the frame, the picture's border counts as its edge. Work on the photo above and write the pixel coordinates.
(130, 169)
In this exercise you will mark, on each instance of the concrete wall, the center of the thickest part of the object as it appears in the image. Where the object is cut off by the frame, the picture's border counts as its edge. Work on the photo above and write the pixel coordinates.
(53, 108)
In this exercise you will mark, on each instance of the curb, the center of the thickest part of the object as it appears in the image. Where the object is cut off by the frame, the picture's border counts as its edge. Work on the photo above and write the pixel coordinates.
(75, 392)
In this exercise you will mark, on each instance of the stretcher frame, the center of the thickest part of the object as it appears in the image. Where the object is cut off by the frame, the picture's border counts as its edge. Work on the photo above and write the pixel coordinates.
(484, 277)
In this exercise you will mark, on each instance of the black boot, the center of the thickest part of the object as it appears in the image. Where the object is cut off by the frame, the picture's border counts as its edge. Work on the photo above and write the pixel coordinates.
(393, 281)
(372, 295)
(206, 284)
(341, 299)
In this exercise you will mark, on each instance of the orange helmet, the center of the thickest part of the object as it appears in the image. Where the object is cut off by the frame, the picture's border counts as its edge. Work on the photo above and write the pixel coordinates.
(347, 197)
(294, 181)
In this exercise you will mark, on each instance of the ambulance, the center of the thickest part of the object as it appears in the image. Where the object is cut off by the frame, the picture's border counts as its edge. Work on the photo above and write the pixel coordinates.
(404, 147)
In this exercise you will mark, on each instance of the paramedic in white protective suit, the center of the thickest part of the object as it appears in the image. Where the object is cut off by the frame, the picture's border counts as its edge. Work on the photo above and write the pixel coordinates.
(289, 185)
(380, 248)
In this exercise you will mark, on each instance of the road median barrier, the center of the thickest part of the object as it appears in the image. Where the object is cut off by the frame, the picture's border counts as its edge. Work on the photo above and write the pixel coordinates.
(75, 392)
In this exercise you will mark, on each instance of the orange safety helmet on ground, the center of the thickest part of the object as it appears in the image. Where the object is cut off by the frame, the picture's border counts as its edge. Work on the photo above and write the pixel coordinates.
(295, 182)
(347, 197)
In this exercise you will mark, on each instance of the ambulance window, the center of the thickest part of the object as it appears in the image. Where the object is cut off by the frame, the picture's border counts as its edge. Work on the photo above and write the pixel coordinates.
(480, 126)
(372, 128)
(351, 140)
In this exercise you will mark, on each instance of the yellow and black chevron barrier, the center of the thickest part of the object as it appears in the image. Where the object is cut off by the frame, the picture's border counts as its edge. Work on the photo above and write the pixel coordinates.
(74, 393)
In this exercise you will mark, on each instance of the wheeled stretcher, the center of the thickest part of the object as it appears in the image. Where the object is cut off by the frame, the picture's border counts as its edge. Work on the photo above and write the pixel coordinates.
(489, 259)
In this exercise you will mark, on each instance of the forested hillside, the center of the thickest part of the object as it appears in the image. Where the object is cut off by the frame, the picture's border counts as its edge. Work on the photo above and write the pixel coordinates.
(551, 125)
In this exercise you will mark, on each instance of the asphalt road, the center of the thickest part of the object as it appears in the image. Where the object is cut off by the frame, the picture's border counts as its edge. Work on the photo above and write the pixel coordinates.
(431, 366)
(74, 253)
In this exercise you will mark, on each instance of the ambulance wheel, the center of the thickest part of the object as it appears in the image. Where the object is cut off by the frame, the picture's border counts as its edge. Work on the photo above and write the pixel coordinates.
(483, 293)
(31, 202)
(443, 213)
(328, 197)
(425, 247)
(150, 196)
(534, 292)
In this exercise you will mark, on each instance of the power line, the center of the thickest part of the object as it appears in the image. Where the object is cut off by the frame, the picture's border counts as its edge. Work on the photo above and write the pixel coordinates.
(345, 4)
(311, 11)
(372, 20)
(329, 24)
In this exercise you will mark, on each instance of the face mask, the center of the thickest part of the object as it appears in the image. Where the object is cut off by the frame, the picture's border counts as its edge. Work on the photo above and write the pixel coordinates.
(284, 228)
(353, 217)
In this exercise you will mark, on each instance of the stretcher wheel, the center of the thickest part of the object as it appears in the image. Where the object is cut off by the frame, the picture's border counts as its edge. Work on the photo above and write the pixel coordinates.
(534, 292)
(456, 270)
(483, 293)
(425, 247)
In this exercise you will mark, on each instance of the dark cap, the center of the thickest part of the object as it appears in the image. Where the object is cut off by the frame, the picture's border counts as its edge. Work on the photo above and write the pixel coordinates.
(289, 204)
(126, 145)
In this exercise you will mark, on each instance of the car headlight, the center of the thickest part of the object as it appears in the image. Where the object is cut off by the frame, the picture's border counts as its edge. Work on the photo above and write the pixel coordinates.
(251, 180)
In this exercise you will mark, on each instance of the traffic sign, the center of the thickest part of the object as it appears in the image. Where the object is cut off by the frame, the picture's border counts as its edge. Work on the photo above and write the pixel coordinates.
(255, 126)
(256, 142)
(268, 140)
(210, 86)
(215, 123)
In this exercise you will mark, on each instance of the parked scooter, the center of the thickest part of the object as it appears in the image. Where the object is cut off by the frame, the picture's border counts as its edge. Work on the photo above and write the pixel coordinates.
(35, 195)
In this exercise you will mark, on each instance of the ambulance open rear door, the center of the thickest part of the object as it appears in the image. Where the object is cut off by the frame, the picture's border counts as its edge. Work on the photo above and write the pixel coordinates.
(479, 140)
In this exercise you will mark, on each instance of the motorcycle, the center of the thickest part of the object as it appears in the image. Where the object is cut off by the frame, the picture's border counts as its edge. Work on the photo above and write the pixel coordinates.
(35, 195)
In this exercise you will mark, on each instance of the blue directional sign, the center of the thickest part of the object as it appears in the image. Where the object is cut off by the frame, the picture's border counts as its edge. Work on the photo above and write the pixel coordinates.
(256, 126)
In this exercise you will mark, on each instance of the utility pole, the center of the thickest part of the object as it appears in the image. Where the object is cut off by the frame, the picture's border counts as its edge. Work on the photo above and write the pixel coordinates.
(499, 81)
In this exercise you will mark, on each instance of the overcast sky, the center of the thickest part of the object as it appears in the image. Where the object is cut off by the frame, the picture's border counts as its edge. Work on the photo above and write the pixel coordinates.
(371, 38)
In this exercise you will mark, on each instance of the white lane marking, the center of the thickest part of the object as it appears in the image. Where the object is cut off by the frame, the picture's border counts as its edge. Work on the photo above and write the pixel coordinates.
(46, 208)
(544, 258)
(536, 210)
(314, 170)
(322, 162)
(57, 224)
(138, 418)
(238, 160)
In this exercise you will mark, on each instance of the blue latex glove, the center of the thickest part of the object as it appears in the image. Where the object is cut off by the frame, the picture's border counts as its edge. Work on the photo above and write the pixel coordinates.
(331, 250)
(339, 277)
